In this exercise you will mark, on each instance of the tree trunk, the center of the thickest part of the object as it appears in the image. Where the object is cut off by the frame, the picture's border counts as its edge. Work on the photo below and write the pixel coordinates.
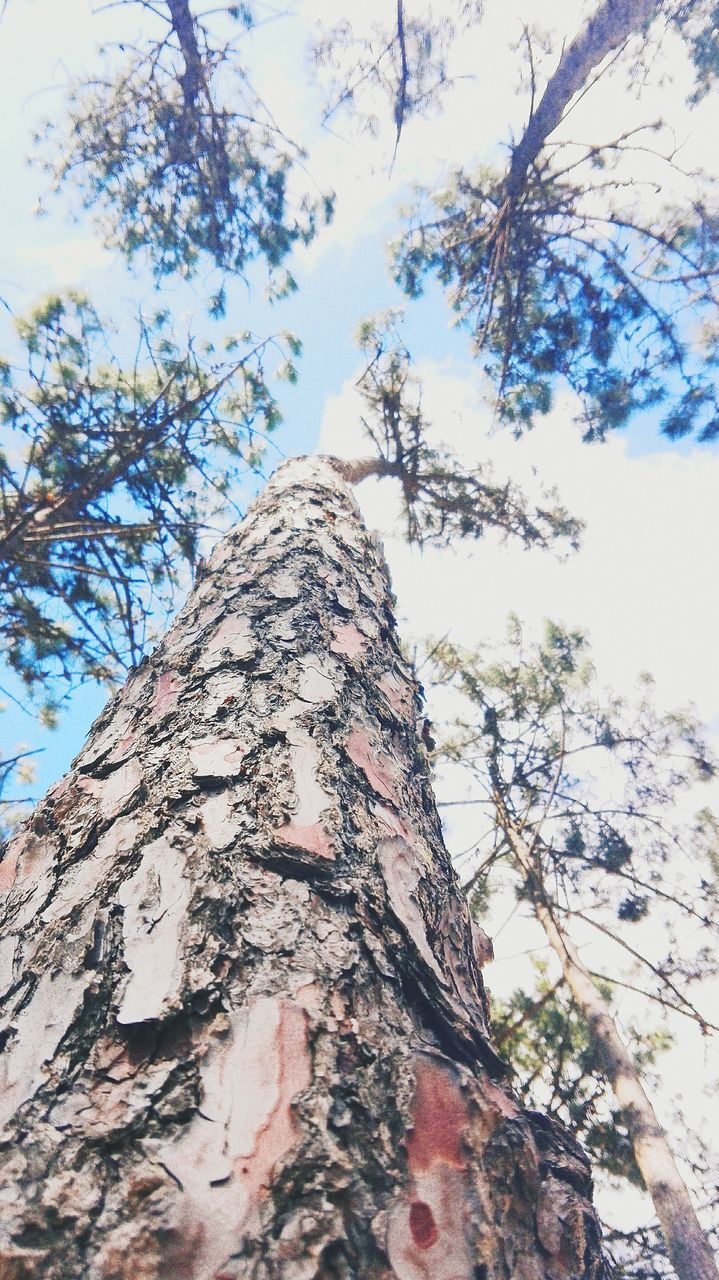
(607, 28)
(245, 1031)
(688, 1247)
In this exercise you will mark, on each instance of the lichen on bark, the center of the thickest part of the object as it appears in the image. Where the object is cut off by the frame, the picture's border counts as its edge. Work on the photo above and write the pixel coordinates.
(244, 1026)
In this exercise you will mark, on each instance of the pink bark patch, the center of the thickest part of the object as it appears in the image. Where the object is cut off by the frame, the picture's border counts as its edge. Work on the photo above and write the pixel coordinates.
(8, 868)
(27, 858)
(167, 692)
(216, 757)
(439, 1117)
(65, 798)
(313, 839)
(61, 787)
(426, 1238)
(348, 640)
(281, 1037)
(233, 636)
(245, 1126)
(122, 748)
(378, 771)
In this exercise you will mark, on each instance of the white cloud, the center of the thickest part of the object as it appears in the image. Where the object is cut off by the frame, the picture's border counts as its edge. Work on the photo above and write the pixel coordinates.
(64, 263)
(641, 584)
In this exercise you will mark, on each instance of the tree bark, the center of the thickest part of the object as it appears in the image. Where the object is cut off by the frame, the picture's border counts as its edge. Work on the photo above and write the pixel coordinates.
(688, 1247)
(183, 24)
(244, 1027)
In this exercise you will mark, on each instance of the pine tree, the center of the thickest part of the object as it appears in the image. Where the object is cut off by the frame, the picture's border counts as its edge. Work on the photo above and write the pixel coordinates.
(244, 1026)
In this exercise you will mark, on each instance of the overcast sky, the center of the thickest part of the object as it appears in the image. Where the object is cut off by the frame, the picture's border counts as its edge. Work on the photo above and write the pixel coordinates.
(644, 582)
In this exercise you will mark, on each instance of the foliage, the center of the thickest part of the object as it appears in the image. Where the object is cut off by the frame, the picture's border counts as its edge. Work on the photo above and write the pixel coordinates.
(599, 792)
(565, 267)
(442, 499)
(180, 156)
(546, 1038)
(698, 22)
(597, 784)
(108, 475)
(592, 289)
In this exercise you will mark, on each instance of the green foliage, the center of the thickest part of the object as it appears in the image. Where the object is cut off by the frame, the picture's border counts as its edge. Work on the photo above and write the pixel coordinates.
(557, 288)
(547, 1040)
(564, 266)
(596, 784)
(588, 795)
(479, 898)
(179, 157)
(108, 476)
(442, 499)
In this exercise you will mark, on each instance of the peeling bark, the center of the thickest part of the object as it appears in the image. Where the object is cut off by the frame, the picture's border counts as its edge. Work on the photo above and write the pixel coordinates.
(244, 1025)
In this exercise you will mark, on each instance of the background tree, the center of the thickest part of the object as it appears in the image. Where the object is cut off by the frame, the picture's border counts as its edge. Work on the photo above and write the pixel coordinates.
(109, 476)
(546, 1037)
(191, 157)
(584, 796)
(111, 468)
(565, 265)
(182, 161)
(443, 500)
(175, 152)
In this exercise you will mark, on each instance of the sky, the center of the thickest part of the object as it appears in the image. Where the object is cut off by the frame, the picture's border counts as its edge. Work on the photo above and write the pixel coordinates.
(643, 583)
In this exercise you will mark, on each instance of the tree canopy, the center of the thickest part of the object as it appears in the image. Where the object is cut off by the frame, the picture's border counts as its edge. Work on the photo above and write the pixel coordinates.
(107, 473)
(178, 156)
(562, 264)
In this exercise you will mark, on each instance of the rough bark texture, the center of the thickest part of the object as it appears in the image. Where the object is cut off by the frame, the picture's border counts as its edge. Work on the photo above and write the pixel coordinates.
(244, 1028)
(689, 1250)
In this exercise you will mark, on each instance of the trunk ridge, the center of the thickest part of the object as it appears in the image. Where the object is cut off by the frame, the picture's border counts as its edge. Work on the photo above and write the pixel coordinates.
(245, 1031)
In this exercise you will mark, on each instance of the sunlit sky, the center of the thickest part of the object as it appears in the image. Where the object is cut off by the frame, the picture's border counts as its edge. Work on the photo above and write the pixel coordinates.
(643, 583)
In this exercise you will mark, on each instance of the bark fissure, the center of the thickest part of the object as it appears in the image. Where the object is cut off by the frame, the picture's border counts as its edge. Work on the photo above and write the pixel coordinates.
(245, 1026)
